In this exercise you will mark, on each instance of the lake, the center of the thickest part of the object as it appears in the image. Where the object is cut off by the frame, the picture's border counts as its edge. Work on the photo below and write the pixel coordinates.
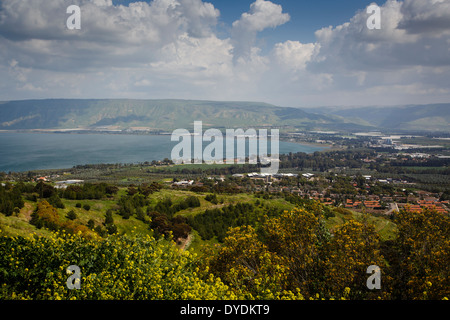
(33, 151)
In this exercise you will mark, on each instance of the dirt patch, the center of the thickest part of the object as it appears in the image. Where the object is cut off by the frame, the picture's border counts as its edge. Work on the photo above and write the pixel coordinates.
(184, 243)
(26, 211)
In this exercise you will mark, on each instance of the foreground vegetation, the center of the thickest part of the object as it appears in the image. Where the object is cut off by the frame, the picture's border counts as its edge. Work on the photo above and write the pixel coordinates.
(244, 247)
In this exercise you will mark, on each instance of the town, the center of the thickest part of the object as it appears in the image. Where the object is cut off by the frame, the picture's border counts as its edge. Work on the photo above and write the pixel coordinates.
(364, 193)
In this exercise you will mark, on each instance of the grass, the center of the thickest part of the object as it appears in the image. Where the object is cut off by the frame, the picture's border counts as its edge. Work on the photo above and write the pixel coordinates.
(383, 226)
(203, 166)
(19, 225)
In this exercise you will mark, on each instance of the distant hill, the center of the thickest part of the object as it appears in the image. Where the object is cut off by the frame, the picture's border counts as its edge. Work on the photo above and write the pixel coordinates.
(430, 117)
(155, 114)
(167, 115)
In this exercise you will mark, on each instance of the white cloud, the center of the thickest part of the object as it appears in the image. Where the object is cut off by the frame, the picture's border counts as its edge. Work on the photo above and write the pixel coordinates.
(294, 55)
(199, 17)
(171, 49)
(263, 14)
(432, 17)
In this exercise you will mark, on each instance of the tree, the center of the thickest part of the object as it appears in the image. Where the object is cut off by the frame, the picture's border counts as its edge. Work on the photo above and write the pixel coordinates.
(71, 215)
(140, 214)
(420, 268)
(108, 217)
(56, 201)
(180, 230)
(296, 236)
(246, 264)
(354, 247)
(44, 190)
(161, 224)
(91, 224)
(10, 200)
(111, 228)
(45, 216)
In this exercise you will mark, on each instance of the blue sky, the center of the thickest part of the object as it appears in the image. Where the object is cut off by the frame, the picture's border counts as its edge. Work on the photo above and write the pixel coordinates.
(307, 16)
(285, 52)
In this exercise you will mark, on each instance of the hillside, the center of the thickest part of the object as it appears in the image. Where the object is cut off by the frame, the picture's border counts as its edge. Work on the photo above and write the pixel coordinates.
(430, 117)
(168, 115)
(165, 115)
(19, 224)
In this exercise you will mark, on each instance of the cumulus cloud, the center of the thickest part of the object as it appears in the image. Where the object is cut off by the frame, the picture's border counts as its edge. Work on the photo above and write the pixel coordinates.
(399, 63)
(171, 49)
(398, 44)
(200, 17)
(294, 55)
(432, 17)
(262, 15)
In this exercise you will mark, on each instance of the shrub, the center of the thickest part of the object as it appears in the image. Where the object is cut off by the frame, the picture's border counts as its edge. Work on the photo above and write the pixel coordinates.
(71, 215)
(118, 268)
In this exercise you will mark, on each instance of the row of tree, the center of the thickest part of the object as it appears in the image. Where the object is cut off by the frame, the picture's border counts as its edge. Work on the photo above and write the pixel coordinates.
(88, 191)
(216, 222)
(11, 200)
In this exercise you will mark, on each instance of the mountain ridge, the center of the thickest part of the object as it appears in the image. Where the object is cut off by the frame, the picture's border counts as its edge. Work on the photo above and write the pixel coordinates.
(426, 117)
(171, 114)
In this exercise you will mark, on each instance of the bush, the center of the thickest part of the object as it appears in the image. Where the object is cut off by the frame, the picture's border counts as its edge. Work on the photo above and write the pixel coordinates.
(212, 198)
(91, 224)
(116, 268)
(46, 216)
(55, 201)
(71, 215)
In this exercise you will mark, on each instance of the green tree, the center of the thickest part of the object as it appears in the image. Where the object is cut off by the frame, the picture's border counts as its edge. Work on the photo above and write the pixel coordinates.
(109, 217)
(71, 215)
(354, 247)
(420, 269)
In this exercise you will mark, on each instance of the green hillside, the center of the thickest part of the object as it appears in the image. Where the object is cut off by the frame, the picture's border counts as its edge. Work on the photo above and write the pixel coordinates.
(154, 114)
(168, 115)
(19, 224)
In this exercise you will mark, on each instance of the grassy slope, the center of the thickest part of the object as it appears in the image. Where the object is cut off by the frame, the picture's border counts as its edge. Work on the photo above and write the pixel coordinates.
(383, 226)
(19, 225)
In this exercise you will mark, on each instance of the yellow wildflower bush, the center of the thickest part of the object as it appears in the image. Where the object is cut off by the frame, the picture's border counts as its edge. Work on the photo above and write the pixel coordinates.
(421, 270)
(119, 267)
(353, 248)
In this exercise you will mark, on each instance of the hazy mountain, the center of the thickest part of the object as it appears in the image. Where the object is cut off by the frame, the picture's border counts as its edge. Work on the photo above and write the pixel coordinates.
(156, 114)
(168, 115)
(431, 117)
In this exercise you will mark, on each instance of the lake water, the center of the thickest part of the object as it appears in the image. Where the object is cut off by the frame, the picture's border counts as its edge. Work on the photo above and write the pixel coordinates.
(34, 151)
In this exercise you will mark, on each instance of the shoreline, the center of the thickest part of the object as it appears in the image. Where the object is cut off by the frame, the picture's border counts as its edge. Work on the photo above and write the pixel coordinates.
(156, 132)
(57, 167)
(138, 132)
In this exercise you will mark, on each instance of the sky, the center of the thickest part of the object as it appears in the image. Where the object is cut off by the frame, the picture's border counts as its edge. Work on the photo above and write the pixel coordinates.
(286, 52)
